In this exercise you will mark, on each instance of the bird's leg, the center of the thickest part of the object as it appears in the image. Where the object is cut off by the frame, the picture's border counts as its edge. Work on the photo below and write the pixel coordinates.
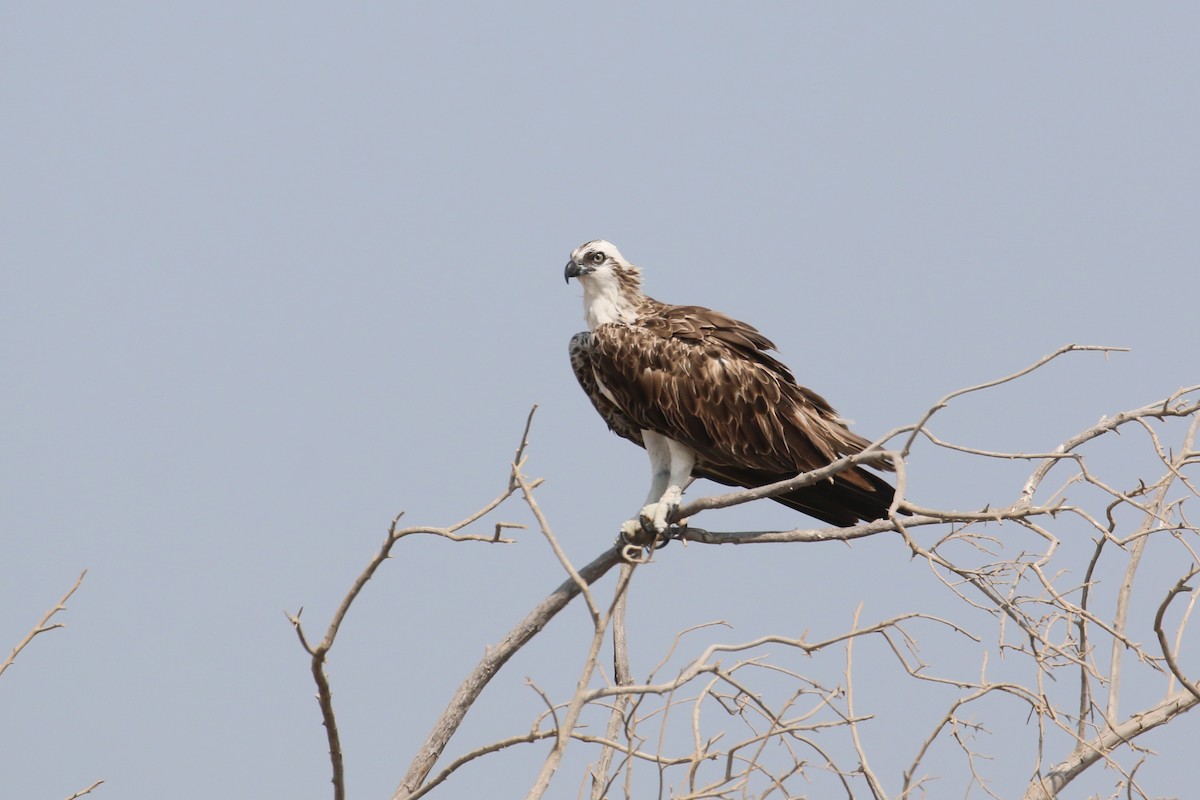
(634, 531)
(671, 466)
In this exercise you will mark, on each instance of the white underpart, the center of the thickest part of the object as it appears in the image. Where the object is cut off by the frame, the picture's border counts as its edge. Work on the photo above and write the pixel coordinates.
(670, 467)
(603, 301)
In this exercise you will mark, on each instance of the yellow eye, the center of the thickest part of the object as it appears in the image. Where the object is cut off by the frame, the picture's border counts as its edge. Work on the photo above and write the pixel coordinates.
(597, 258)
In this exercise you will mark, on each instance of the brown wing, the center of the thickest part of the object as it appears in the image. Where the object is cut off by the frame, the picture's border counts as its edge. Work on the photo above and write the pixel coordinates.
(705, 380)
(581, 364)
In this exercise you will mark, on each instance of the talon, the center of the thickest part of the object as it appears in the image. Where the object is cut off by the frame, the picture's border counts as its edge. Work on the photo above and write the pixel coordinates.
(633, 532)
(668, 513)
(633, 554)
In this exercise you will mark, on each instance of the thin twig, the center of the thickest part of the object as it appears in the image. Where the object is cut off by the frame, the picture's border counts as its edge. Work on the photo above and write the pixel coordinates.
(559, 553)
(88, 790)
(318, 654)
(43, 625)
(863, 764)
(1041, 362)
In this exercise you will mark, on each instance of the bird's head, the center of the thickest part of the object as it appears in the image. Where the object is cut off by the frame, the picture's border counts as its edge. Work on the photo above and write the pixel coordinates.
(611, 285)
(594, 259)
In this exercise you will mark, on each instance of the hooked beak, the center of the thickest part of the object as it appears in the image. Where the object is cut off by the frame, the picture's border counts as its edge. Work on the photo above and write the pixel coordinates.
(574, 270)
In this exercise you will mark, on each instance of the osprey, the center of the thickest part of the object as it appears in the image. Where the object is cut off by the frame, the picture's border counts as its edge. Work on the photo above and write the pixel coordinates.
(699, 391)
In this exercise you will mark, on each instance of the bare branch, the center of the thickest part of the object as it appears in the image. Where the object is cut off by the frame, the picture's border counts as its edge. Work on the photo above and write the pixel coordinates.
(519, 456)
(88, 790)
(43, 625)
(920, 517)
(559, 553)
(1173, 406)
(1041, 362)
(1180, 586)
(1046, 787)
(864, 765)
(319, 653)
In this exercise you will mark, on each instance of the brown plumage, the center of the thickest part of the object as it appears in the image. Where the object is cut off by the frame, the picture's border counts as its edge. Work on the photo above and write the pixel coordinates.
(706, 381)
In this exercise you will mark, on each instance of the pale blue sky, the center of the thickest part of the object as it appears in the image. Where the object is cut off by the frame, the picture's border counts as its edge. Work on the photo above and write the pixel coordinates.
(275, 272)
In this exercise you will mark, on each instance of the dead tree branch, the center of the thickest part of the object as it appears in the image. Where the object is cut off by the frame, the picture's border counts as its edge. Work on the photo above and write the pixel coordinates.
(1167, 650)
(43, 625)
(1006, 560)
(318, 653)
(88, 790)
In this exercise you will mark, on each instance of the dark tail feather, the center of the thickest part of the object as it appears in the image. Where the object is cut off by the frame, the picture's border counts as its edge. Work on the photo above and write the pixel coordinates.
(838, 502)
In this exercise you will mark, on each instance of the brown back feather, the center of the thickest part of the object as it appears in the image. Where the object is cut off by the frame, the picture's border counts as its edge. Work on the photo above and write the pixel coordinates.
(705, 380)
